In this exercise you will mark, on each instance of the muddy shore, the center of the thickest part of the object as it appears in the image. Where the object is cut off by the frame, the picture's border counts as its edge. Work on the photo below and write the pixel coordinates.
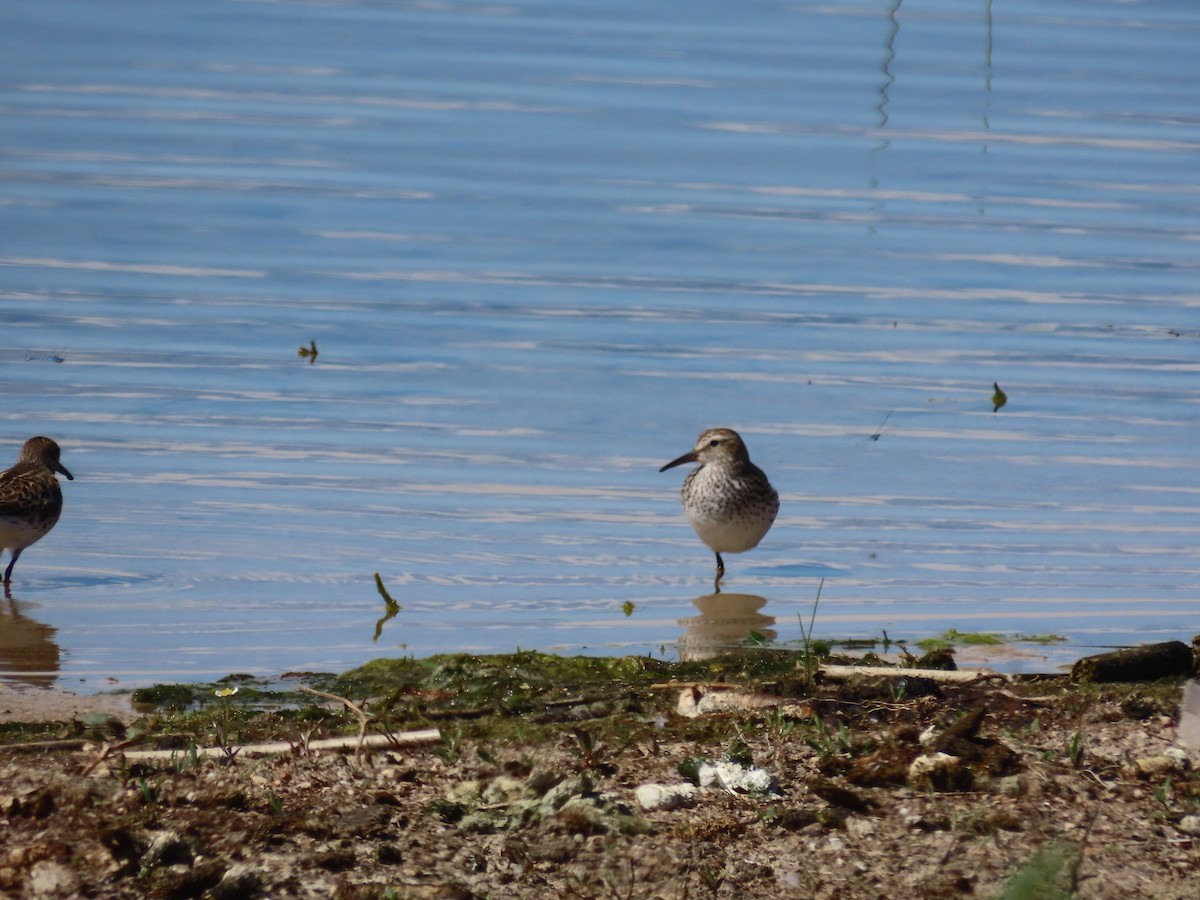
(605, 778)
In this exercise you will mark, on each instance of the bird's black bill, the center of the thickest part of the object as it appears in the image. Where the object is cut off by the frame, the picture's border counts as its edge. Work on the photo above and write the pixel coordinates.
(686, 458)
(63, 470)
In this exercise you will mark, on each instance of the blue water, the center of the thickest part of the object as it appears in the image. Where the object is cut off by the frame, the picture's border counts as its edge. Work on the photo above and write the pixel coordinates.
(541, 246)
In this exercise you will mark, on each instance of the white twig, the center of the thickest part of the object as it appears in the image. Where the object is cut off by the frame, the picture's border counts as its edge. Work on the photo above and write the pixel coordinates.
(959, 676)
(404, 739)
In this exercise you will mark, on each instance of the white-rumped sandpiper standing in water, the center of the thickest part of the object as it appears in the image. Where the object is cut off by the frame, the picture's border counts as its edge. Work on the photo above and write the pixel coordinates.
(727, 498)
(30, 498)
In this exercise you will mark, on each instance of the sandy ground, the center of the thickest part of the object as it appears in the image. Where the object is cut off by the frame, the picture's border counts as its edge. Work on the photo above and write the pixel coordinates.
(1081, 792)
(35, 704)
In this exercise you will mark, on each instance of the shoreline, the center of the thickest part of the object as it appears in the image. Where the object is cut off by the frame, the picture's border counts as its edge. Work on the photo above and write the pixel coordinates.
(30, 704)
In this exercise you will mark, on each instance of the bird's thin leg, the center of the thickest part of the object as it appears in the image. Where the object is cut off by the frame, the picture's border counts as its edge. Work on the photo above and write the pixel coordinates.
(720, 573)
(12, 562)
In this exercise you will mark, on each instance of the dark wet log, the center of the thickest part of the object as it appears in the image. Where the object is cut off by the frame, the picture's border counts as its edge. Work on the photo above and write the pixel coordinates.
(1145, 663)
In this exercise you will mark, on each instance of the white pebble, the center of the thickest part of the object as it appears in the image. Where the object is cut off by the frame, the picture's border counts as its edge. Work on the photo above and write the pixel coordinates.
(666, 796)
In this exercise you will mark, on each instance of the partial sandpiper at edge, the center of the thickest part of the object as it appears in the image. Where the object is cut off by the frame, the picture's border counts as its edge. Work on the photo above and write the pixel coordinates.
(30, 498)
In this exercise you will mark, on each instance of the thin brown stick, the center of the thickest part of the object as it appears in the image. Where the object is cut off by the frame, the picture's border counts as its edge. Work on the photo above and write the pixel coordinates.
(350, 705)
(105, 752)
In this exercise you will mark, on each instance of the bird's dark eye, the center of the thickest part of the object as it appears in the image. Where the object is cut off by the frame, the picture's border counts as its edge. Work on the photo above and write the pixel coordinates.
(713, 442)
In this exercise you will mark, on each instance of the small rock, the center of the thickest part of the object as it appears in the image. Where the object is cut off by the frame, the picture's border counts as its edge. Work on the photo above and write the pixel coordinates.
(191, 881)
(464, 793)
(1178, 753)
(556, 798)
(939, 772)
(860, 828)
(51, 879)
(1190, 825)
(666, 796)
(539, 781)
(167, 848)
(503, 789)
(1157, 766)
(241, 882)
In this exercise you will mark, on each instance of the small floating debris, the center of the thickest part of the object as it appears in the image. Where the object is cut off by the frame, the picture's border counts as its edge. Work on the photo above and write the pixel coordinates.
(53, 359)
(999, 398)
(309, 352)
(879, 431)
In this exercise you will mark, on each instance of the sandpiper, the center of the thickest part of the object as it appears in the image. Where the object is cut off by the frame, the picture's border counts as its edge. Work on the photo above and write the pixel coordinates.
(727, 498)
(30, 498)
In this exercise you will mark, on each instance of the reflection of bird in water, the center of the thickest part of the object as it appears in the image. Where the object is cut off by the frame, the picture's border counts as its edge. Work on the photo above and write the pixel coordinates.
(30, 498)
(727, 498)
(724, 623)
(28, 653)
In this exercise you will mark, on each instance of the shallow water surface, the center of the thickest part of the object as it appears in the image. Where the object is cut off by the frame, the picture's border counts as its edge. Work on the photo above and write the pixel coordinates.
(540, 247)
